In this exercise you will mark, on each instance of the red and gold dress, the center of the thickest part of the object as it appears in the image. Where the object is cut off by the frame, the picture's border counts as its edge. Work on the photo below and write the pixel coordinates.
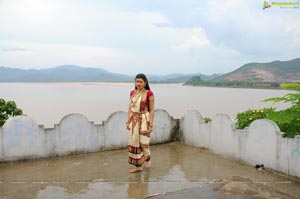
(139, 139)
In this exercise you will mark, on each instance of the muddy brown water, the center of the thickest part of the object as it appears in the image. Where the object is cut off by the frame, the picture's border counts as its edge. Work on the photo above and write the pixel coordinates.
(48, 103)
(178, 171)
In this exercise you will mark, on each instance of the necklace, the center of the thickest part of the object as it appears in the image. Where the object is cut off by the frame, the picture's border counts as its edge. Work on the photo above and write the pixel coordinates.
(136, 97)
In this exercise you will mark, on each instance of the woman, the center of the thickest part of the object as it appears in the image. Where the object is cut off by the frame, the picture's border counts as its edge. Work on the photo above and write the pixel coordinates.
(140, 123)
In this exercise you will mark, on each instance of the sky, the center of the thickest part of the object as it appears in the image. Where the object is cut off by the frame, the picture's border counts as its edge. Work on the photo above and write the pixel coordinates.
(148, 36)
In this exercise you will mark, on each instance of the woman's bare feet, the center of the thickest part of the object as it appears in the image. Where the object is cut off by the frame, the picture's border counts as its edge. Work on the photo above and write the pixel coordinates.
(148, 164)
(136, 169)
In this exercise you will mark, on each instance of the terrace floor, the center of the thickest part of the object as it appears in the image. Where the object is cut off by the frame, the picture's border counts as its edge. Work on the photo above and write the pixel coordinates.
(178, 171)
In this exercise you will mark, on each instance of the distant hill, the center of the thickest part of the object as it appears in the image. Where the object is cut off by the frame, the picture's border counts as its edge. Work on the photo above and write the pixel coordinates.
(65, 73)
(72, 73)
(275, 71)
(180, 78)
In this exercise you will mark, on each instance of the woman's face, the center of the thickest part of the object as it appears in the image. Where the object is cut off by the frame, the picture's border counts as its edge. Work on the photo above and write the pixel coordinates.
(140, 83)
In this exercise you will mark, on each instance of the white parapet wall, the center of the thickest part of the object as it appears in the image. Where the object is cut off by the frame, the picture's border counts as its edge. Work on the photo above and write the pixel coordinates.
(22, 138)
(260, 143)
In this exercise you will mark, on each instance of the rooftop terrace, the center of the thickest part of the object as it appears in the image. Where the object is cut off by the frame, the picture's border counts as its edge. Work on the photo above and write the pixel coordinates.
(178, 171)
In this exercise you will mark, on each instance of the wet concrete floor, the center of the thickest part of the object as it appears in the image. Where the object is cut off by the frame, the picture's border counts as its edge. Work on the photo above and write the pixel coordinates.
(178, 171)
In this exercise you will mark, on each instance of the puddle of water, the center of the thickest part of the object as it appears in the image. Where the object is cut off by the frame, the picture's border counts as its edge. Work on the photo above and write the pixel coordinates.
(237, 188)
(177, 170)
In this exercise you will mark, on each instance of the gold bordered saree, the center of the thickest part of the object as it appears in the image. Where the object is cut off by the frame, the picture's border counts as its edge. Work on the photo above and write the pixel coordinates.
(139, 139)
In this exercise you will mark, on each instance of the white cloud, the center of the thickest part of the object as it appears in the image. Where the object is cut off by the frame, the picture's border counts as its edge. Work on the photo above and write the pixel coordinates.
(291, 26)
(180, 37)
(48, 19)
(196, 39)
(154, 17)
(219, 9)
(49, 55)
(259, 34)
(92, 34)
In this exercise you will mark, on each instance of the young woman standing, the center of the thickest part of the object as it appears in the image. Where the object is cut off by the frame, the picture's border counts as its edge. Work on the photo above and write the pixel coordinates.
(140, 123)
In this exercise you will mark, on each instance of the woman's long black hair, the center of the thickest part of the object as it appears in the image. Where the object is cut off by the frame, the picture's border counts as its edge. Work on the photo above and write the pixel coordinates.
(142, 76)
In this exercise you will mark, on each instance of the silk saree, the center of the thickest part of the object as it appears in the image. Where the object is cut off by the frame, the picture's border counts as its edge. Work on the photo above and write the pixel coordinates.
(139, 138)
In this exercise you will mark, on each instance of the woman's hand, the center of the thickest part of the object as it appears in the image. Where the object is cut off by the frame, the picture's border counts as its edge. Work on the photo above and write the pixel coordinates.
(149, 129)
(127, 126)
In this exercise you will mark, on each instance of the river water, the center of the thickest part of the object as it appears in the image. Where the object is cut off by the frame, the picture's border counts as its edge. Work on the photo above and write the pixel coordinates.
(47, 103)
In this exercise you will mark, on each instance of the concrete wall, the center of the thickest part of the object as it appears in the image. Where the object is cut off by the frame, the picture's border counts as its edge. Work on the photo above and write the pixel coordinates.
(260, 143)
(22, 138)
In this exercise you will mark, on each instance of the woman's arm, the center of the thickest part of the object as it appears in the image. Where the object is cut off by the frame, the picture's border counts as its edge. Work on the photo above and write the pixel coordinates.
(128, 116)
(129, 112)
(151, 119)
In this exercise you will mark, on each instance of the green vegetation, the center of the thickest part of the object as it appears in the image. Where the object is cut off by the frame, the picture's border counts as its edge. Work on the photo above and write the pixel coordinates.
(288, 120)
(197, 81)
(8, 109)
(292, 86)
(207, 120)
(244, 119)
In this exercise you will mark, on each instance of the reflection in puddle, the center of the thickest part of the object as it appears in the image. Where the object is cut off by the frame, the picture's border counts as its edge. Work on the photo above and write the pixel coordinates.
(177, 170)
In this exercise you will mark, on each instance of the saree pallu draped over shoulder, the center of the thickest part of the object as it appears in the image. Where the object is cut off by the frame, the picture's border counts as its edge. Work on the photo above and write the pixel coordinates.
(139, 138)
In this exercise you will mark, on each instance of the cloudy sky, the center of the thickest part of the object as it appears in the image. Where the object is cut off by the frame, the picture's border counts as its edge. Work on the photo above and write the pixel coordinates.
(153, 37)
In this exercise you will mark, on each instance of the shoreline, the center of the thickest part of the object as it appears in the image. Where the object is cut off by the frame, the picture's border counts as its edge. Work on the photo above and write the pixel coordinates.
(75, 83)
(235, 87)
(131, 83)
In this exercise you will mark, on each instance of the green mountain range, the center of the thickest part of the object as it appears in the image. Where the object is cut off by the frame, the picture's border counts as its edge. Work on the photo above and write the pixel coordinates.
(64, 73)
(72, 73)
(255, 75)
(275, 71)
(251, 74)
